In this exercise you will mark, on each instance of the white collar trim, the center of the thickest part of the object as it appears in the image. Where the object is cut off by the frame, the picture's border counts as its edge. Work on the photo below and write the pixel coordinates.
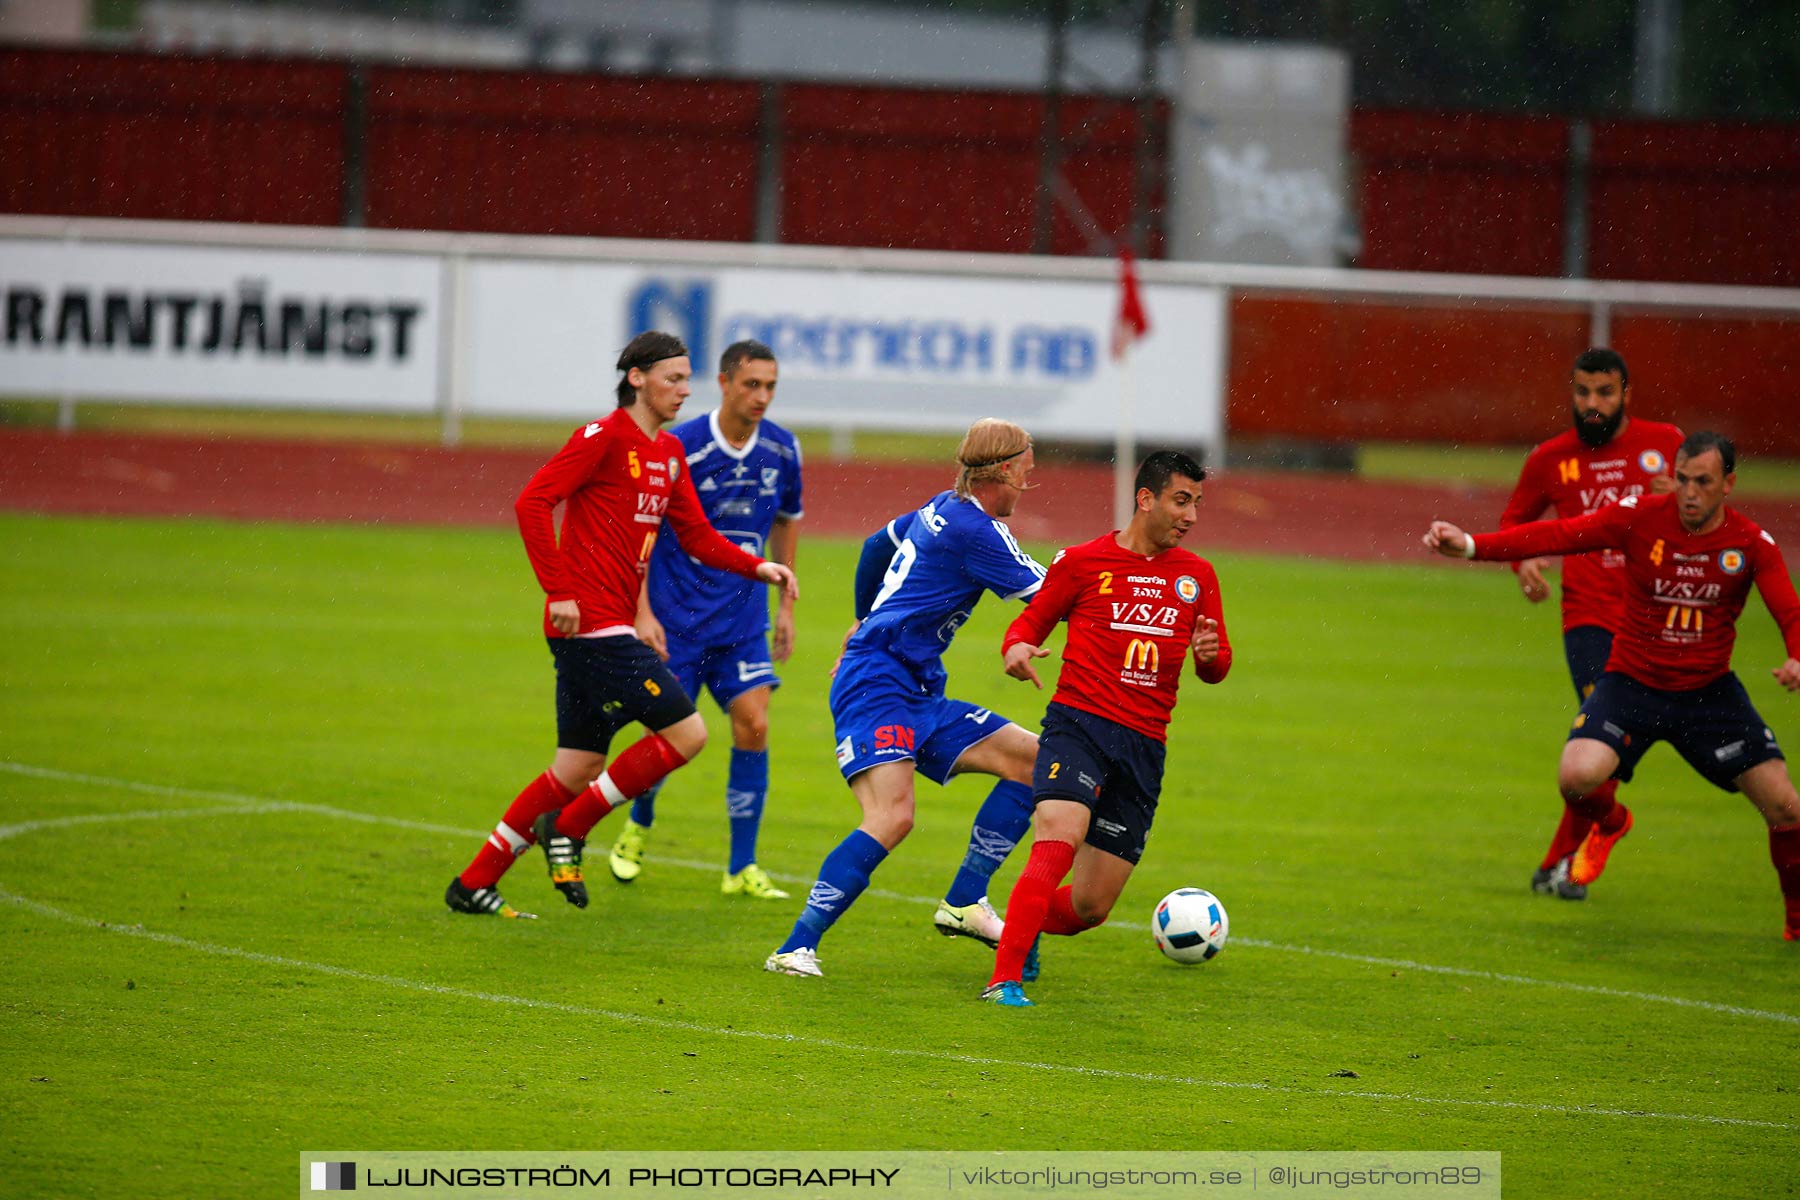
(724, 443)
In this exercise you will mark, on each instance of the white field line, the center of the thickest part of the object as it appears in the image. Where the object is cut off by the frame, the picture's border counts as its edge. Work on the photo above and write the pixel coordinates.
(260, 804)
(695, 1027)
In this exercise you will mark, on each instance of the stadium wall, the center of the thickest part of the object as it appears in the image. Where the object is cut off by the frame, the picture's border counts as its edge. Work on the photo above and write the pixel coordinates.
(87, 133)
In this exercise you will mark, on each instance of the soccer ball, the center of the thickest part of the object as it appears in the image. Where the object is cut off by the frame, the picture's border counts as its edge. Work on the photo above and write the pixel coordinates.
(1190, 925)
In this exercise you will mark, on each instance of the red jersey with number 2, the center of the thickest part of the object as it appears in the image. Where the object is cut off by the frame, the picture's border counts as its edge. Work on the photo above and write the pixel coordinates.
(1131, 621)
(619, 485)
(1683, 591)
(1567, 475)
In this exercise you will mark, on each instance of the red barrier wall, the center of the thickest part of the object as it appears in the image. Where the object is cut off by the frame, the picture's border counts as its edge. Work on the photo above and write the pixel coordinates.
(1460, 192)
(1354, 371)
(151, 137)
(1704, 203)
(521, 152)
(948, 170)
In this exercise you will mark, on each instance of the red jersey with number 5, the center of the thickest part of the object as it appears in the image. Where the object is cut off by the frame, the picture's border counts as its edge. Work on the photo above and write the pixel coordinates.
(1683, 591)
(619, 485)
(1131, 621)
(1573, 478)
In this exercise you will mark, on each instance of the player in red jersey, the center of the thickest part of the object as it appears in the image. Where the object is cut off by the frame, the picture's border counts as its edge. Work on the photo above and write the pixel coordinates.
(1606, 457)
(619, 479)
(1136, 603)
(1689, 564)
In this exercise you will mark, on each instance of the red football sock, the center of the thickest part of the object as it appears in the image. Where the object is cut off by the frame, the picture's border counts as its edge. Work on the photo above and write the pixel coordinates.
(639, 767)
(1599, 807)
(513, 836)
(1029, 903)
(1575, 825)
(1062, 919)
(1784, 852)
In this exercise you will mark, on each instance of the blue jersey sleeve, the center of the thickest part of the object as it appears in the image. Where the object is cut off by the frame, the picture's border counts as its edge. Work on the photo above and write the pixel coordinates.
(790, 505)
(877, 553)
(995, 561)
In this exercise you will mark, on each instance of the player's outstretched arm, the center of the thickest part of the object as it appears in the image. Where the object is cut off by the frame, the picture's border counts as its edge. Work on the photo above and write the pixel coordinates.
(1448, 540)
(1018, 658)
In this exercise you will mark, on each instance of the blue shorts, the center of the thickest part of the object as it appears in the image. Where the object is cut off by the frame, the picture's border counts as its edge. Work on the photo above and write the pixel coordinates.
(1586, 647)
(726, 671)
(605, 684)
(882, 715)
(1715, 728)
(1115, 771)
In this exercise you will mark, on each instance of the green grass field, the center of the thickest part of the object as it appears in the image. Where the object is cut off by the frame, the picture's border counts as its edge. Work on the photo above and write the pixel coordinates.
(238, 764)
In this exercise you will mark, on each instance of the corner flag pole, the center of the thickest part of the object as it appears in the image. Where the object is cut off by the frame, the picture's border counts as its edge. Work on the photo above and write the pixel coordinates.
(1129, 327)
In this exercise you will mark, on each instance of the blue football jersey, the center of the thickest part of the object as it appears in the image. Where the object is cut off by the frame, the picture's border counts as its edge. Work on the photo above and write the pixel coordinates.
(742, 491)
(945, 555)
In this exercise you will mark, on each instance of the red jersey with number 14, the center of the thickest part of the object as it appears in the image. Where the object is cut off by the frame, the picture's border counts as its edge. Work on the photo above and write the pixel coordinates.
(1575, 479)
(619, 485)
(1683, 591)
(1131, 621)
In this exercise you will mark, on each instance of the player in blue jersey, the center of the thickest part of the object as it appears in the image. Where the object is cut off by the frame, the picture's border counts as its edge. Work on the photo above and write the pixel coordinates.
(918, 581)
(714, 628)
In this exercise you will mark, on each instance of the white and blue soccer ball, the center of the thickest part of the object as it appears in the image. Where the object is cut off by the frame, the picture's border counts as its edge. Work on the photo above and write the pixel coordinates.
(1190, 925)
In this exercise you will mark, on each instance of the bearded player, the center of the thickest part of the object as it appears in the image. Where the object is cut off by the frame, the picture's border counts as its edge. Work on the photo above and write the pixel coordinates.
(1136, 603)
(1606, 457)
(618, 478)
(1689, 565)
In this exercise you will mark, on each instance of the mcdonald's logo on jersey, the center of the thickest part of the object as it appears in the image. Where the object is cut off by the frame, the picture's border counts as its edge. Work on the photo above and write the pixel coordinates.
(1142, 654)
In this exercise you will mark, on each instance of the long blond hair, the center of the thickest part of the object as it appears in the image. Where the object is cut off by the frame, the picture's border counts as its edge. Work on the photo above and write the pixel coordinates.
(989, 445)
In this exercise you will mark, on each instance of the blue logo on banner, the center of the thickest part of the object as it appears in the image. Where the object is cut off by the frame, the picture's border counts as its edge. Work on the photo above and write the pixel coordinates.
(929, 345)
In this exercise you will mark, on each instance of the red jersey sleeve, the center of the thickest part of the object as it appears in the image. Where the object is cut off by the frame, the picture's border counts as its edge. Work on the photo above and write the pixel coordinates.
(1213, 605)
(1777, 590)
(1531, 495)
(1049, 606)
(555, 482)
(1602, 530)
(699, 538)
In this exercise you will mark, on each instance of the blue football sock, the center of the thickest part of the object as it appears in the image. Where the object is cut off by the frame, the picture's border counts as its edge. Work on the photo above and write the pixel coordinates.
(842, 879)
(1004, 817)
(643, 809)
(746, 787)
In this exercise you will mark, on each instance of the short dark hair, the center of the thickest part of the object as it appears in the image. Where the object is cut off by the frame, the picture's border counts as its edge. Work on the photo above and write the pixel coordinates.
(646, 349)
(738, 353)
(1156, 471)
(1599, 360)
(1700, 443)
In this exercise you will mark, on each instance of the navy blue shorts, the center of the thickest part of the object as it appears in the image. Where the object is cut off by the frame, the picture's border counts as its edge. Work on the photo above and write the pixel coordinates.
(1715, 728)
(1116, 772)
(1587, 647)
(726, 671)
(604, 684)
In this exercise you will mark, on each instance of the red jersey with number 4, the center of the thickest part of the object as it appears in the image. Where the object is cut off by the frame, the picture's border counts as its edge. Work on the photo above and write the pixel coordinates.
(619, 485)
(1683, 591)
(1131, 621)
(1566, 475)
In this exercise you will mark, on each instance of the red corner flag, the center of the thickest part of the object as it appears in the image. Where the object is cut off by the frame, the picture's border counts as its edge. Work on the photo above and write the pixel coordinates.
(1132, 322)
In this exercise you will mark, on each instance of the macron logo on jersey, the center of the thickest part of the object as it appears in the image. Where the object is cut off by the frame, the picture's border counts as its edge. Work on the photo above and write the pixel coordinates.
(591, 430)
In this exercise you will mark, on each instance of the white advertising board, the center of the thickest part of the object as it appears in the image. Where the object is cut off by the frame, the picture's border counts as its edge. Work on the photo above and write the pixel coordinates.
(858, 349)
(126, 321)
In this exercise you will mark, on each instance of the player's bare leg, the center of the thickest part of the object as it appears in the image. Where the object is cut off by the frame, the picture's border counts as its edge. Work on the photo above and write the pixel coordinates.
(1587, 764)
(1008, 754)
(746, 790)
(1768, 786)
(885, 794)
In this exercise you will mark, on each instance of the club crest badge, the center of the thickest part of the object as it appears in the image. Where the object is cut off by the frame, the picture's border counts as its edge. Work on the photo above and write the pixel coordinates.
(1187, 588)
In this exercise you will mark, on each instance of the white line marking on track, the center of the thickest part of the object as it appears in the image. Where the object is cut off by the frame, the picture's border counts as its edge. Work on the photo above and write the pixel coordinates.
(629, 1018)
(262, 804)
